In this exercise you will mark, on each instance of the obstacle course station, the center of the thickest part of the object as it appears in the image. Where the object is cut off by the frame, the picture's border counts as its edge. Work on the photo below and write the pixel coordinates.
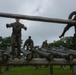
(40, 56)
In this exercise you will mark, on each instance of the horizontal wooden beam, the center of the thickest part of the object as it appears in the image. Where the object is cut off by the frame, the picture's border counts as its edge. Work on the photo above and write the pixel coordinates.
(47, 55)
(37, 18)
(39, 61)
(27, 53)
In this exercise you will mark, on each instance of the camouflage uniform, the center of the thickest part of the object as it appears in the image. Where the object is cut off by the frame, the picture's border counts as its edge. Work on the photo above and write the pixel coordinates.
(16, 36)
(69, 25)
(28, 43)
(44, 44)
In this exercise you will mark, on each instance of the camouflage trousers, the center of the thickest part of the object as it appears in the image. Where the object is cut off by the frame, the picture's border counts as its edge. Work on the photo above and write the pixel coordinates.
(16, 44)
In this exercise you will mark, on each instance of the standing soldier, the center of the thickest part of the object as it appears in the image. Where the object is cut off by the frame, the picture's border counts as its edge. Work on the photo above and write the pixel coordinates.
(16, 36)
(28, 43)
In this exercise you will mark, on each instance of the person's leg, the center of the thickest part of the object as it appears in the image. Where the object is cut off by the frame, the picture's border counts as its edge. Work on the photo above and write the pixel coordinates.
(18, 45)
(13, 49)
(64, 31)
(27, 47)
(13, 46)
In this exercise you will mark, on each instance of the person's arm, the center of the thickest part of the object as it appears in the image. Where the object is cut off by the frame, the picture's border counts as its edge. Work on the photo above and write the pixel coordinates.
(9, 25)
(71, 15)
(24, 27)
(25, 44)
(32, 43)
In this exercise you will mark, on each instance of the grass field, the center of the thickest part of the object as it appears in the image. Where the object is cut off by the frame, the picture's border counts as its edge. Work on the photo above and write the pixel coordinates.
(57, 70)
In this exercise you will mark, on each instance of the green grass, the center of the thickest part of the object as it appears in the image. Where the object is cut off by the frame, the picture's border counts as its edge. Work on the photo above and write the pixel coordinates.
(57, 70)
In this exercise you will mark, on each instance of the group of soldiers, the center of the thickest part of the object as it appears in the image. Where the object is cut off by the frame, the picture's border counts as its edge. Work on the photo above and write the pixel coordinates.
(16, 34)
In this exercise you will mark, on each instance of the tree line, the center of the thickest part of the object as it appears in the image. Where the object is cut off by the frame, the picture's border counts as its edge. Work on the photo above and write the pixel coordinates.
(65, 42)
(4, 42)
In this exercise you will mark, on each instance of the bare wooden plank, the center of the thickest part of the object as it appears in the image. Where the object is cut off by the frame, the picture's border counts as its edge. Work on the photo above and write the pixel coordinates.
(37, 18)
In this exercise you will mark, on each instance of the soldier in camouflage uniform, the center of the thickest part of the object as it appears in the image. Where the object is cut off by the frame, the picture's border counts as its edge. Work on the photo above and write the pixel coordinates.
(44, 44)
(29, 43)
(73, 14)
(16, 36)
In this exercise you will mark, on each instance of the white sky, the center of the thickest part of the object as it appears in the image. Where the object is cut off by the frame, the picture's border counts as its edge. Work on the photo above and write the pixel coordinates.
(39, 31)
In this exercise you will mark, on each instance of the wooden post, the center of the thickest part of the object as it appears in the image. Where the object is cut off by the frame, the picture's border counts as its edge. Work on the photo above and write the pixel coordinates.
(0, 70)
(74, 70)
(7, 68)
(51, 69)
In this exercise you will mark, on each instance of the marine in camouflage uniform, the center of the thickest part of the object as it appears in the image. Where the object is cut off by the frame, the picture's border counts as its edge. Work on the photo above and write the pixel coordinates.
(29, 43)
(73, 17)
(44, 44)
(16, 35)
(73, 14)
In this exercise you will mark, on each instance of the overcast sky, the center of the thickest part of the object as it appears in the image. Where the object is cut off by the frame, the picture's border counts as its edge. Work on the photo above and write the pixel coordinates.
(39, 31)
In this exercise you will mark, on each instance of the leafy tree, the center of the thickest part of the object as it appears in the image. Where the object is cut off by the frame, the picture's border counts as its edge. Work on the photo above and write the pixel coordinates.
(4, 42)
(65, 42)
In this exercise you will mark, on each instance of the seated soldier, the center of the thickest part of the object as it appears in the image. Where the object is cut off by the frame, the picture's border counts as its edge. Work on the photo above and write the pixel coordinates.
(28, 43)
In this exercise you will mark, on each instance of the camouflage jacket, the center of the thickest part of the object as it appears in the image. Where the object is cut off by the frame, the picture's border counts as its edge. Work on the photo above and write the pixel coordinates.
(16, 28)
(28, 42)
